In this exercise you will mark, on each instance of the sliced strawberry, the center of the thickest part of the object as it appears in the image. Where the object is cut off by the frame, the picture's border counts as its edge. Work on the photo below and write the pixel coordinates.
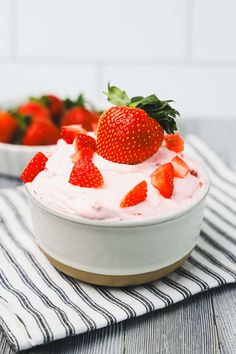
(69, 132)
(174, 142)
(83, 141)
(83, 153)
(85, 146)
(75, 157)
(36, 165)
(180, 167)
(86, 174)
(135, 196)
(162, 179)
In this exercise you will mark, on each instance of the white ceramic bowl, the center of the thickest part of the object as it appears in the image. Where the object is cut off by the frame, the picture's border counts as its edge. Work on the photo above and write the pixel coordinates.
(14, 158)
(118, 253)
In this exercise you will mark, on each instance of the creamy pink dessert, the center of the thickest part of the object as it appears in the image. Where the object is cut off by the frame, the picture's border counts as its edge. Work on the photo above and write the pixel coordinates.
(52, 188)
(134, 168)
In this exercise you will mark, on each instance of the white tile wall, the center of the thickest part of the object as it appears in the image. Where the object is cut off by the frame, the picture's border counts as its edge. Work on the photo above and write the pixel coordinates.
(196, 90)
(5, 28)
(214, 30)
(183, 49)
(101, 29)
(23, 80)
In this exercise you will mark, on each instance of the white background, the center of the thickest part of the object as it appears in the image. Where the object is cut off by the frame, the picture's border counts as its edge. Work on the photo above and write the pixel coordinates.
(179, 49)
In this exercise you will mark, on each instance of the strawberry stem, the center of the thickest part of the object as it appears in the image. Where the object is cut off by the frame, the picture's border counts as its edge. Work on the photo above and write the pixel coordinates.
(161, 111)
(116, 96)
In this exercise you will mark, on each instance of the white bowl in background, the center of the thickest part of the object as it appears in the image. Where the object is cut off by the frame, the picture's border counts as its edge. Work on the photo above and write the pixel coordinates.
(14, 158)
(118, 253)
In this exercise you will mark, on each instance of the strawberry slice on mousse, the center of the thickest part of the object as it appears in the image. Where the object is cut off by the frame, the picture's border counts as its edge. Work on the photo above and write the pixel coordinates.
(181, 169)
(135, 196)
(36, 165)
(85, 146)
(174, 142)
(162, 179)
(69, 132)
(86, 174)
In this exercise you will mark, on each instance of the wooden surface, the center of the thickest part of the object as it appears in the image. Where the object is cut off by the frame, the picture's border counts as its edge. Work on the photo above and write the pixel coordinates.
(206, 323)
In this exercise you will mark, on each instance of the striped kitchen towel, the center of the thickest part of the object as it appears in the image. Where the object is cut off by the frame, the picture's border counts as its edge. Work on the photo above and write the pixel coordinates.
(38, 304)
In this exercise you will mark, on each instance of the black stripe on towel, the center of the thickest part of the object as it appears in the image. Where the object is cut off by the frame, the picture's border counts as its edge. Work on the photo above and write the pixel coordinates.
(69, 328)
(220, 231)
(193, 277)
(11, 338)
(90, 302)
(218, 246)
(26, 304)
(148, 304)
(220, 216)
(15, 212)
(226, 206)
(210, 165)
(220, 280)
(130, 312)
(215, 261)
(90, 324)
(185, 292)
(167, 299)
(61, 293)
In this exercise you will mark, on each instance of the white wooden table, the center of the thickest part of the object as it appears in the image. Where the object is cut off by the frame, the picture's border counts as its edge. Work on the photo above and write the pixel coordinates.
(203, 324)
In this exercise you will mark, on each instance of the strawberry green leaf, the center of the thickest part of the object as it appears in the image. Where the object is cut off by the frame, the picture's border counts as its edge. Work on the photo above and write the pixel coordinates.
(136, 99)
(22, 121)
(161, 111)
(43, 100)
(116, 96)
(23, 124)
(79, 102)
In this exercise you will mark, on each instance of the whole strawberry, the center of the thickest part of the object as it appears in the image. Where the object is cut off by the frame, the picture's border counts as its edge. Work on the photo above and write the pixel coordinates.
(53, 103)
(133, 130)
(36, 111)
(77, 113)
(8, 127)
(41, 133)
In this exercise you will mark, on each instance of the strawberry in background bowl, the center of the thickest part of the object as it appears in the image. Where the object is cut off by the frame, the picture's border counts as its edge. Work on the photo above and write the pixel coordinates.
(35, 124)
(77, 112)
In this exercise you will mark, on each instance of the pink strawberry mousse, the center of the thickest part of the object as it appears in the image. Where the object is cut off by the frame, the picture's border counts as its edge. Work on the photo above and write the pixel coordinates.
(52, 189)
